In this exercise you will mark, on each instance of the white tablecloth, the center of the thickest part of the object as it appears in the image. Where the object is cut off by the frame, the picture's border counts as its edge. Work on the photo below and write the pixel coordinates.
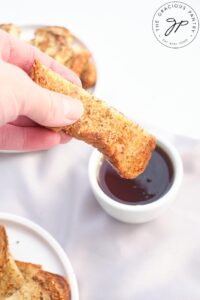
(112, 260)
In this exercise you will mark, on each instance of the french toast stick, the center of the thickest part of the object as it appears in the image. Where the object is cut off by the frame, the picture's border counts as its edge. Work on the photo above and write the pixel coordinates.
(124, 143)
(59, 43)
(11, 278)
(39, 284)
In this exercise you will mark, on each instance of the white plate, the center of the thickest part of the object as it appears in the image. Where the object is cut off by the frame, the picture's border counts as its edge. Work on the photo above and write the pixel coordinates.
(30, 243)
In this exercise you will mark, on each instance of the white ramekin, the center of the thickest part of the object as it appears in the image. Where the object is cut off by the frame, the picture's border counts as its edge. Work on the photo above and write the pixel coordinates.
(137, 213)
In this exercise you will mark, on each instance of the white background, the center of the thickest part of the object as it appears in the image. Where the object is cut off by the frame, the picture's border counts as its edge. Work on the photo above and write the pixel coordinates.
(160, 86)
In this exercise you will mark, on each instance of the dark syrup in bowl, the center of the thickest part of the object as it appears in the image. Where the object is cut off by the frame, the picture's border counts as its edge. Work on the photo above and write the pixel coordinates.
(146, 188)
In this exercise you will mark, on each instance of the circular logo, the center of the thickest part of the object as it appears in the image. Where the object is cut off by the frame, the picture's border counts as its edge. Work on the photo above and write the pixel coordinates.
(175, 24)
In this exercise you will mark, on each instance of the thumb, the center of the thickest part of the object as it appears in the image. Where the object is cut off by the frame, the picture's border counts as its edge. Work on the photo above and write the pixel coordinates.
(49, 108)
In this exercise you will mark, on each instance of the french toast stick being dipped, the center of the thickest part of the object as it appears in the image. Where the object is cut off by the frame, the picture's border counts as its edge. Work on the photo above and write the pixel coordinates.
(124, 144)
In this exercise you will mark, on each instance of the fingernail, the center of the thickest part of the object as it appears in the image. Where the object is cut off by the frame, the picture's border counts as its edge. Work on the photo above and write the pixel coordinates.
(72, 108)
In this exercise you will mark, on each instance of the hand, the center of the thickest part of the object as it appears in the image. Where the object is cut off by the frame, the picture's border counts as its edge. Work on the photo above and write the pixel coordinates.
(24, 105)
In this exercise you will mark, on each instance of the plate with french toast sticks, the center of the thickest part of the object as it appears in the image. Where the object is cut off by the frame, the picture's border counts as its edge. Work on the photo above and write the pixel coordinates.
(61, 44)
(32, 263)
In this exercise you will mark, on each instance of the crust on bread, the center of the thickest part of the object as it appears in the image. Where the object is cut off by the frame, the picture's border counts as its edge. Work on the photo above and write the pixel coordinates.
(125, 144)
(10, 277)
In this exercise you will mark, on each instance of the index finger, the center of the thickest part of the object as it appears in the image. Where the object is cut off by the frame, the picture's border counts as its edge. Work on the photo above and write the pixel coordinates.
(23, 55)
